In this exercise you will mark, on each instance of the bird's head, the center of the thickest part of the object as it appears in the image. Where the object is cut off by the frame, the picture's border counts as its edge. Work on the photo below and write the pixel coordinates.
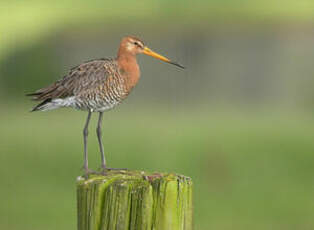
(133, 45)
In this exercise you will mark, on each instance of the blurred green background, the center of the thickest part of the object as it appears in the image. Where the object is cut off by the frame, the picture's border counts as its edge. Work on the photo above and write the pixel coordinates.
(239, 120)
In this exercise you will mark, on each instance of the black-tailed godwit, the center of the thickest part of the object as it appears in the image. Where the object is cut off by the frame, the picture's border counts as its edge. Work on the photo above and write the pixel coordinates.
(97, 86)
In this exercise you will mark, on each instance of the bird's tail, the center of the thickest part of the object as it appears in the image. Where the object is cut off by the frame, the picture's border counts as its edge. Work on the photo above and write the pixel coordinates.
(55, 103)
(43, 106)
(47, 104)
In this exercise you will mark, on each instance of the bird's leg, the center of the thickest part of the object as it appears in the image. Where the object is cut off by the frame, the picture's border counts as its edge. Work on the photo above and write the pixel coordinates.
(99, 134)
(85, 134)
(101, 147)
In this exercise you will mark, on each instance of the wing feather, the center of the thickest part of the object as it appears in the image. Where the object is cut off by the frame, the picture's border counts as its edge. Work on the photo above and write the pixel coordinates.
(81, 78)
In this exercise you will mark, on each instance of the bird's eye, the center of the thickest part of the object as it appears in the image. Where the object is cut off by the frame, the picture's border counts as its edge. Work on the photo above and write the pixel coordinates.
(136, 43)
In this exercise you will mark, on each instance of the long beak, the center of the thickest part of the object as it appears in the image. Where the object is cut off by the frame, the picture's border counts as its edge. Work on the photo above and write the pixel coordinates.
(149, 52)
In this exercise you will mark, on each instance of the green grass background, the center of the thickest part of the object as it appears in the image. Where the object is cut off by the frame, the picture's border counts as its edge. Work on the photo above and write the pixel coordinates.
(250, 170)
(24, 24)
(251, 163)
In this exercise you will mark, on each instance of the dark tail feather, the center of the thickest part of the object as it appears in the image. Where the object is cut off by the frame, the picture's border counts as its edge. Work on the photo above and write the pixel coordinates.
(41, 105)
(42, 94)
(35, 96)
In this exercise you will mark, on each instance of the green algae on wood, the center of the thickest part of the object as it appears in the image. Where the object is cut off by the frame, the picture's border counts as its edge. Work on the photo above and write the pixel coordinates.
(134, 200)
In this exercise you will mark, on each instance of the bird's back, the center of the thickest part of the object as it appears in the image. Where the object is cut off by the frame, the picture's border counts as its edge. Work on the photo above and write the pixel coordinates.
(96, 85)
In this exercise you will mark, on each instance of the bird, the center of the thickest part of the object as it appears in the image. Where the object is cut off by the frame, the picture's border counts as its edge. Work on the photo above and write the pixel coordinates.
(97, 86)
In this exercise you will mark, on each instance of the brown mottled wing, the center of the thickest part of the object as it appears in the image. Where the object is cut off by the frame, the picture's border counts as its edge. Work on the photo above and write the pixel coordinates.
(83, 77)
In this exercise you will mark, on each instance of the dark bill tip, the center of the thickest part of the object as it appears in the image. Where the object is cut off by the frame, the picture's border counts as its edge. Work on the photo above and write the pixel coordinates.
(177, 64)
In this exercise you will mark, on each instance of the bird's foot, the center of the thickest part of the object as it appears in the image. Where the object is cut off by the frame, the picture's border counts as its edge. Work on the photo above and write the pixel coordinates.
(117, 169)
(105, 170)
(88, 172)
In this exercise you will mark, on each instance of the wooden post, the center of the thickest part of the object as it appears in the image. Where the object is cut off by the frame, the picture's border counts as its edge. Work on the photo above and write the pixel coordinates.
(134, 200)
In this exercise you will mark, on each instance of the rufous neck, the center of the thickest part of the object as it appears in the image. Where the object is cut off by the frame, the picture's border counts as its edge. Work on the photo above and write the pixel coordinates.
(127, 61)
(129, 68)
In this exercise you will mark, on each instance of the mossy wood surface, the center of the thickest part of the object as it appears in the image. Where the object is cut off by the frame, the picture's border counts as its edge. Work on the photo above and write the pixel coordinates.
(134, 200)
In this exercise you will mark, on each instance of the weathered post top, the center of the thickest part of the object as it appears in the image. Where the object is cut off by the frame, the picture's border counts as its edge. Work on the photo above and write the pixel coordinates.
(134, 200)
